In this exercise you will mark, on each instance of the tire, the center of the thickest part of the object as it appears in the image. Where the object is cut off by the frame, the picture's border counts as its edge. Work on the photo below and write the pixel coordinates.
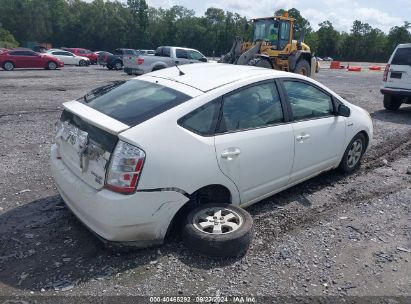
(51, 65)
(234, 239)
(156, 68)
(82, 63)
(260, 62)
(353, 153)
(118, 65)
(8, 66)
(392, 103)
(303, 68)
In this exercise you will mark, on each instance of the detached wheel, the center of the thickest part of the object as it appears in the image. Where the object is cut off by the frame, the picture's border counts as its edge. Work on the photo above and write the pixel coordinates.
(51, 65)
(392, 103)
(303, 68)
(218, 230)
(353, 154)
(8, 66)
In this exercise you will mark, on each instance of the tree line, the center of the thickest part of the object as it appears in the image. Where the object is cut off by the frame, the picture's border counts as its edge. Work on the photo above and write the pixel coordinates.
(106, 25)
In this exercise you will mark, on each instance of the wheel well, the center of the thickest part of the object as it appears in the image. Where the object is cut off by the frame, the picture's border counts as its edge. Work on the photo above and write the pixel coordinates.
(157, 67)
(204, 195)
(367, 139)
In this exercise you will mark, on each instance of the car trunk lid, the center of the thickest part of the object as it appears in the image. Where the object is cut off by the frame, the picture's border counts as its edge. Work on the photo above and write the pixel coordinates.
(86, 138)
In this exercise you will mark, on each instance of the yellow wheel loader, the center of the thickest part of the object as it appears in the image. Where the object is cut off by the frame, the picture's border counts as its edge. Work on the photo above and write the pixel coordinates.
(273, 47)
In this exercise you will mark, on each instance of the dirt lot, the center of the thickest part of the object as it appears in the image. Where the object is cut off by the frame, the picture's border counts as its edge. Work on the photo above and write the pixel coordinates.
(333, 235)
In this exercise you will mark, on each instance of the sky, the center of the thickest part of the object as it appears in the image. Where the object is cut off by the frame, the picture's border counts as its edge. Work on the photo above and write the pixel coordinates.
(382, 14)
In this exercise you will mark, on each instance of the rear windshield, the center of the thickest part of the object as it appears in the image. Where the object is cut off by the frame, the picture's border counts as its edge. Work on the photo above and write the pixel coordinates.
(134, 101)
(402, 57)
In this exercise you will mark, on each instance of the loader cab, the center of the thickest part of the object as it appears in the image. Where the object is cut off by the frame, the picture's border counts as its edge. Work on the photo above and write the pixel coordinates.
(275, 30)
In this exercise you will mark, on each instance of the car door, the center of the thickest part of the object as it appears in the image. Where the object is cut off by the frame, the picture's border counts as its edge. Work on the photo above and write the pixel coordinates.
(254, 144)
(400, 69)
(181, 56)
(319, 134)
(69, 58)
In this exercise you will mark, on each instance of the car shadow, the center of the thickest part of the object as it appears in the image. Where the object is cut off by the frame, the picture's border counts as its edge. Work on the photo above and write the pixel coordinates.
(401, 116)
(43, 245)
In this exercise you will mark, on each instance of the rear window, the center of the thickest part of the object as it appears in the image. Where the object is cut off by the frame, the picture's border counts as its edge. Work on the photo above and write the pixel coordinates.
(134, 101)
(402, 57)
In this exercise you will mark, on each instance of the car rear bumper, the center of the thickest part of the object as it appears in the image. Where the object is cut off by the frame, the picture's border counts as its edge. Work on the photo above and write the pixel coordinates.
(141, 219)
(395, 91)
(132, 71)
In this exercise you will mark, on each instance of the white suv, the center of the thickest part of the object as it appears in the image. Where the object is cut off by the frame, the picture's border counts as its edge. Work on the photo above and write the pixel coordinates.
(193, 145)
(396, 84)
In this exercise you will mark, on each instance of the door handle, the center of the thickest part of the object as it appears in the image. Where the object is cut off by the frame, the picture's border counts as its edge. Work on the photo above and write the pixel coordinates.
(302, 137)
(230, 152)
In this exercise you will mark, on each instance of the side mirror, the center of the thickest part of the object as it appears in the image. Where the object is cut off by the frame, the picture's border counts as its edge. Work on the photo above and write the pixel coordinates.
(203, 59)
(343, 111)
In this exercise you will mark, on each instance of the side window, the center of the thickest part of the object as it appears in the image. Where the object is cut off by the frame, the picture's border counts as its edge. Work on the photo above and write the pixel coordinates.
(307, 101)
(166, 52)
(202, 120)
(17, 53)
(181, 53)
(195, 55)
(118, 52)
(81, 51)
(252, 107)
(29, 53)
(402, 57)
(284, 34)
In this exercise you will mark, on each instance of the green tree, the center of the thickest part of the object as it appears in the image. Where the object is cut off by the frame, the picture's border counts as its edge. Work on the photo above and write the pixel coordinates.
(327, 39)
(7, 40)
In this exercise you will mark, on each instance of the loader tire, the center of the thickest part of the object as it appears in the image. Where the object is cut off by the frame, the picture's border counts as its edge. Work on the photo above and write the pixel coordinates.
(303, 68)
(260, 62)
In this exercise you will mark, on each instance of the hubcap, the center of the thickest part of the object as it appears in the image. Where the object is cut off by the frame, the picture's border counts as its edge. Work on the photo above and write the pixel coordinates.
(8, 66)
(118, 66)
(217, 220)
(354, 154)
(52, 65)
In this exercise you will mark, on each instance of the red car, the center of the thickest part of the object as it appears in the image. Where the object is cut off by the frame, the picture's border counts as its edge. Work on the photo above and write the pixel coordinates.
(20, 58)
(84, 53)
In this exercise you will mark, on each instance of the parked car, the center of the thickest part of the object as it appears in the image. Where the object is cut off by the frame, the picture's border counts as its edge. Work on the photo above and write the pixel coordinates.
(115, 61)
(69, 58)
(102, 57)
(165, 56)
(147, 52)
(83, 52)
(25, 58)
(396, 83)
(197, 146)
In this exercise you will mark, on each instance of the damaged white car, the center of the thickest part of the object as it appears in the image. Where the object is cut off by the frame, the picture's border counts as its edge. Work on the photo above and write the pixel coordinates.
(194, 146)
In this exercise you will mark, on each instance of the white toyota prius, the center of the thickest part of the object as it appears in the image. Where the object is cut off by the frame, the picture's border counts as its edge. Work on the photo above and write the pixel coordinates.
(194, 147)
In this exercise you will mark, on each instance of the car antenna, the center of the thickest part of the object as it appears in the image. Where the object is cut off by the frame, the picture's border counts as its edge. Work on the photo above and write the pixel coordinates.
(181, 72)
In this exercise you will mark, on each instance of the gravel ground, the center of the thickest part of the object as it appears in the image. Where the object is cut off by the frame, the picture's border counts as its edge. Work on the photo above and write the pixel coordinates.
(333, 235)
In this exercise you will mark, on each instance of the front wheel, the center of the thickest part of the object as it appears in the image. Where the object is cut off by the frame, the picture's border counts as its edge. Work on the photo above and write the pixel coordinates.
(218, 230)
(303, 68)
(392, 103)
(82, 63)
(353, 154)
(51, 65)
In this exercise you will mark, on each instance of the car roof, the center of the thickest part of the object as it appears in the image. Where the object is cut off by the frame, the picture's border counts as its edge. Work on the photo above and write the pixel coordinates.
(208, 76)
(404, 45)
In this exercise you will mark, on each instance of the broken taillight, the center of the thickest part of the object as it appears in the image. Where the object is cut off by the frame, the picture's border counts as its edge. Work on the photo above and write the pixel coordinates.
(125, 168)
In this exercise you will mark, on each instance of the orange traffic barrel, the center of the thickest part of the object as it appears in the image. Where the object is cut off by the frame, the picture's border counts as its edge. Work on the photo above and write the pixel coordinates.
(375, 68)
(354, 69)
(335, 65)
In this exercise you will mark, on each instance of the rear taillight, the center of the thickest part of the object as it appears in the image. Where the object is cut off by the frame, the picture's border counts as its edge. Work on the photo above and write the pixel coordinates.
(140, 61)
(387, 69)
(125, 168)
